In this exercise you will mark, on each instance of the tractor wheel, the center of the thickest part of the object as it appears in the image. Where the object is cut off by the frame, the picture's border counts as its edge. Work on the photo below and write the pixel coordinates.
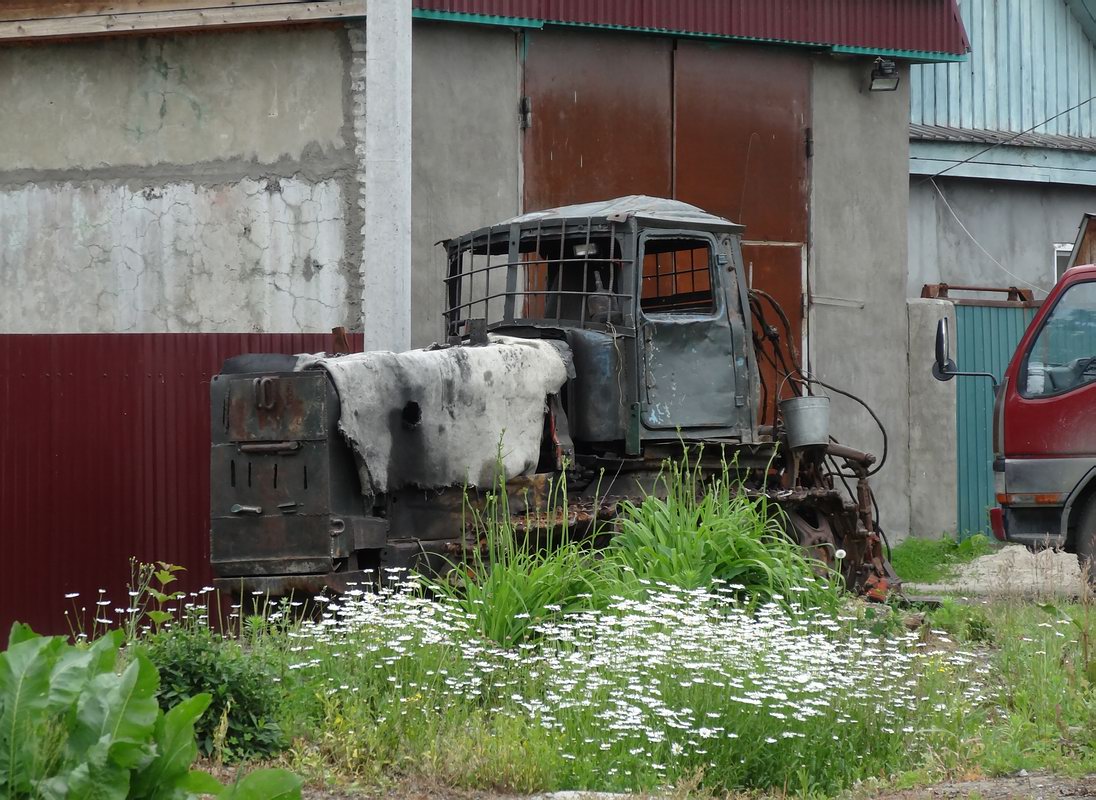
(814, 534)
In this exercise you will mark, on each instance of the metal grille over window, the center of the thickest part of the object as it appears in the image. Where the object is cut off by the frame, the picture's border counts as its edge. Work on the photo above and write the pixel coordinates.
(677, 276)
(572, 272)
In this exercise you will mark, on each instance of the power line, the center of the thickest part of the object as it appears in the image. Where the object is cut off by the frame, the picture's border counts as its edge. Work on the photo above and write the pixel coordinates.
(1006, 141)
(979, 244)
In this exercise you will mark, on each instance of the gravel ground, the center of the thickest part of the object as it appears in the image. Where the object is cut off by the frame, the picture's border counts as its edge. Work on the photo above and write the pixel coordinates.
(1013, 571)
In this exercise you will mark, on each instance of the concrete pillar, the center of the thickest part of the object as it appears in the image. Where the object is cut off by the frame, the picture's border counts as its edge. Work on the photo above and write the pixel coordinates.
(932, 445)
(386, 237)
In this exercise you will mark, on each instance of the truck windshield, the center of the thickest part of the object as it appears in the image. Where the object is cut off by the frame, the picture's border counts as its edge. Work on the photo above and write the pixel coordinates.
(1063, 356)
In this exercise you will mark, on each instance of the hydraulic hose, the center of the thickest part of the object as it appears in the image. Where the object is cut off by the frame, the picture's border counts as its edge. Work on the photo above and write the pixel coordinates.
(803, 376)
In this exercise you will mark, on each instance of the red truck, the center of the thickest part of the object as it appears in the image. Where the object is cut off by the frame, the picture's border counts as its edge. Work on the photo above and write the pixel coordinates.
(1044, 423)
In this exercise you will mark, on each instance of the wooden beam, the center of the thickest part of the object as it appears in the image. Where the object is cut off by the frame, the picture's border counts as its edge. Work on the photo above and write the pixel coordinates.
(167, 15)
(26, 10)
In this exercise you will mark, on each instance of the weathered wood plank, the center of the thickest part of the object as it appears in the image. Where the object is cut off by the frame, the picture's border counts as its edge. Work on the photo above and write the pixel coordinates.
(243, 13)
(26, 10)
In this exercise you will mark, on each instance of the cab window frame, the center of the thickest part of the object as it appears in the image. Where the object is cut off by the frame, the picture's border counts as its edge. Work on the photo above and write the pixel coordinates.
(1024, 371)
(714, 280)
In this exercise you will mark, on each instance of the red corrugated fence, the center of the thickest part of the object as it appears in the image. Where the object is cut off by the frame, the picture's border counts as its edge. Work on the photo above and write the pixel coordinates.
(104, 454)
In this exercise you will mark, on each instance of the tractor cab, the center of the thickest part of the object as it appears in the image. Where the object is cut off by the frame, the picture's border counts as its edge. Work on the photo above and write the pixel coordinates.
(649, 296)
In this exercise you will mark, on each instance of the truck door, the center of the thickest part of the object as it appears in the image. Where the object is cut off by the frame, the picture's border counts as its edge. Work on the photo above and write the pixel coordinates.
(687, 343)
(1050, 406)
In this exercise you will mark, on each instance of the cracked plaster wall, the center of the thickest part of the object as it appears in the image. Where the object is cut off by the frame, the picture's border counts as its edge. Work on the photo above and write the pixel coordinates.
(188, 183)
(254, 255)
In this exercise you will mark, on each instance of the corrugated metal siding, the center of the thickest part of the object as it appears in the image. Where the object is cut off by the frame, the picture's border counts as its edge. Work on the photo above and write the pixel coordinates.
(1030, 59)
(913, 25)
(104, 454)
(986, 338)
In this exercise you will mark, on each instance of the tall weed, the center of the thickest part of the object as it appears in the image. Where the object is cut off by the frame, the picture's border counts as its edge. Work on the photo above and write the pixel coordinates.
(519, 584)
(705, 531)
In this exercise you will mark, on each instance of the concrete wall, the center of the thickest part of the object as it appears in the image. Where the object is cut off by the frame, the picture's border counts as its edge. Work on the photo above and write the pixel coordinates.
(1017, 223)
(933, 459)
(179, 183)
(858, 328)
(466, 152)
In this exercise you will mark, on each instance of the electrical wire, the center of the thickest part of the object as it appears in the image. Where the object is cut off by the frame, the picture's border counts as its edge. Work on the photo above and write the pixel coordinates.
(803, 376)
(807, 379)
(978, 244)
(1009, 139)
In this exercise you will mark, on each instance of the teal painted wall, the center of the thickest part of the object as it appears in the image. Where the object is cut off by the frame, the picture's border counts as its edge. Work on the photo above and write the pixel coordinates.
(1029, 60)
(986, 338)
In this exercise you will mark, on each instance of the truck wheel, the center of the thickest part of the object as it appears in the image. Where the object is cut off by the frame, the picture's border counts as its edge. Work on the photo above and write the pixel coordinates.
(1084, 541)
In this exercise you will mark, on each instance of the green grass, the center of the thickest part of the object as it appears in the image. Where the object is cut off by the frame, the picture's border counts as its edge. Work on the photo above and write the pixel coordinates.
(933, 560)
(699, 652)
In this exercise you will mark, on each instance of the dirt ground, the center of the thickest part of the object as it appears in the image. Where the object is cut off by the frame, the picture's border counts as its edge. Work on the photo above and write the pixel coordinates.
(1027, 787)
(1012, 571)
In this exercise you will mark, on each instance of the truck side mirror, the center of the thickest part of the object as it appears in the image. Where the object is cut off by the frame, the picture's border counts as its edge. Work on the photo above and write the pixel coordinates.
(944, 369)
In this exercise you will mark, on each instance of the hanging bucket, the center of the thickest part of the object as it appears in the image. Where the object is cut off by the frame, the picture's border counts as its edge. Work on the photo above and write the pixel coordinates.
(806, 420)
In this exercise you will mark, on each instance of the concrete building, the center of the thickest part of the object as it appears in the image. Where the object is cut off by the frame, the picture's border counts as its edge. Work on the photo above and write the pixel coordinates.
(177, 168)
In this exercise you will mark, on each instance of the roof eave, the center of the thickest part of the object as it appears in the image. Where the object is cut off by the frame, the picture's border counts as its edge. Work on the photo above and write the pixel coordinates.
(912, 56)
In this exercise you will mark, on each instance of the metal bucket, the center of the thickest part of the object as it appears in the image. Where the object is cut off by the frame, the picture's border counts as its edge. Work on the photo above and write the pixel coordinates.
(806, 420)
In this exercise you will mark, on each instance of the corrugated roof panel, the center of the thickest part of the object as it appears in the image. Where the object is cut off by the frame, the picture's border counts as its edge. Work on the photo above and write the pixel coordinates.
(907, 26)
(104, 454)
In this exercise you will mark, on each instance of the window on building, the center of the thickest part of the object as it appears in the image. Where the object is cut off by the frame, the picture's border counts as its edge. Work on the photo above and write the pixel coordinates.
(677, 276)
(1062, 252)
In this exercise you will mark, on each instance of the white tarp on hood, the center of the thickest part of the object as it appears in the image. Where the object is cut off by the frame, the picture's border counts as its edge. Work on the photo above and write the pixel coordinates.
(445, 417)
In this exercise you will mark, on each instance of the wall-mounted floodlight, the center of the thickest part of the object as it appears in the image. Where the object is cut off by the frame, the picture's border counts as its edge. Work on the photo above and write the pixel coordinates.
(884, 75)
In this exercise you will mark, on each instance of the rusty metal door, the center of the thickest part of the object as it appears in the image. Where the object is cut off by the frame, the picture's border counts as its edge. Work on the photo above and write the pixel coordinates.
(722, 126)
(602, 112)
(741, 127)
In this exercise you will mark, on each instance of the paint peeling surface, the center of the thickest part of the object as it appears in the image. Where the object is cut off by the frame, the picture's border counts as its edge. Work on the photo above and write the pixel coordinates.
(249, 256)
(445, 417)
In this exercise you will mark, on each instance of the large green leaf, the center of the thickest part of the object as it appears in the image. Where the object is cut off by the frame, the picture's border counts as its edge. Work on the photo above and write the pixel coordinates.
(122, 708)
(175, 750)
(24, 692)
(20, 632)
(76, 666)
(198, 782)
(98, 777)
(68, 678)
(265, 784)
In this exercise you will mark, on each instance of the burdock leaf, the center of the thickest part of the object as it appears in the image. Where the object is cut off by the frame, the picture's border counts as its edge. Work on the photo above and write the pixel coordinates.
(24, 695)
(175, 749)
(265, 784)
(119, 707)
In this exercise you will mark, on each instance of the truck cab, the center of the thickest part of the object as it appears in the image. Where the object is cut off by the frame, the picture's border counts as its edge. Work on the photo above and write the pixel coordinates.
(1044, 439)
